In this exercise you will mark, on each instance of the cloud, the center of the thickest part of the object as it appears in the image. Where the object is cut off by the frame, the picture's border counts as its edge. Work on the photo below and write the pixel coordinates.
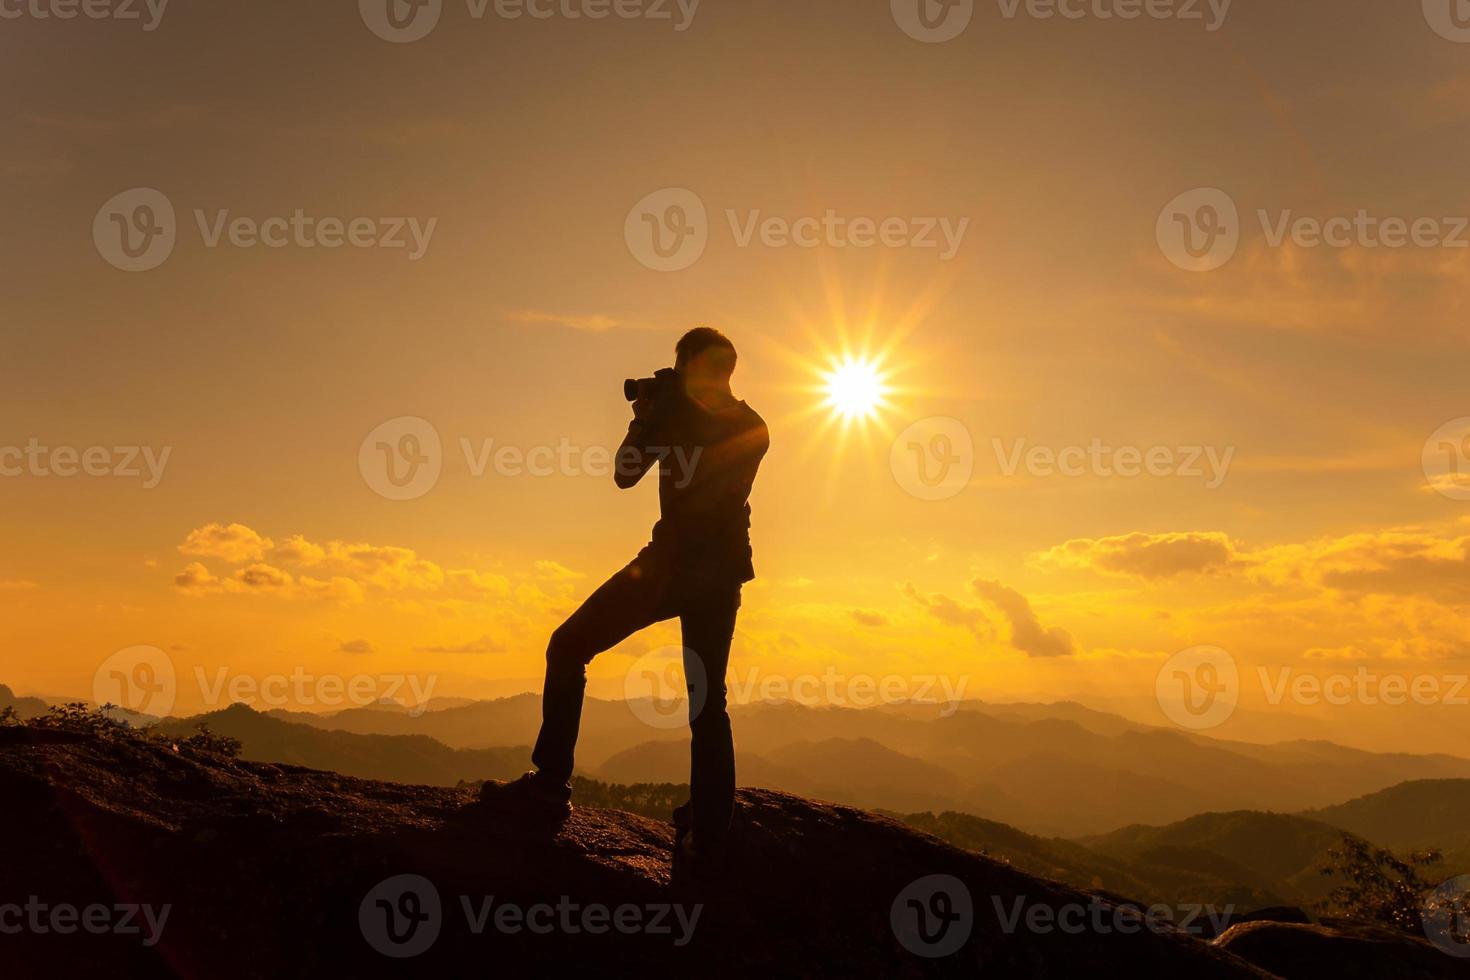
(17, 585)
(593, 322)
(556, 570)
(233, 543)
(869, 617)
(297, 550)
(479, 583)
(1405, 562)
(1148, 556)
(1362, 291)
(264, 577)
(948, 610)
(342, 571)
(1027, 633)
(356, 646)
(195, 579)
(484, 644)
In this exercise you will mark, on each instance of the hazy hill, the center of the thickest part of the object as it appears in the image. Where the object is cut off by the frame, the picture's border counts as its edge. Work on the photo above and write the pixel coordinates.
(1053, 857)
(399, 758)
(24, 707)
(1058, 770)
(1061, 770)
(667, 761)
(608, 727)
(1274, 856)
(1410, 816)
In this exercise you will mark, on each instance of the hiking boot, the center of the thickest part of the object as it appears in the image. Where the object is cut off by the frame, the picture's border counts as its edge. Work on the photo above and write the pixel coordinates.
(531, 791)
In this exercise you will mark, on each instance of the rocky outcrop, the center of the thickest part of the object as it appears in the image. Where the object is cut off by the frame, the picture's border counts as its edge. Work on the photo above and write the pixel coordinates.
(131, 856)
(1340, 950)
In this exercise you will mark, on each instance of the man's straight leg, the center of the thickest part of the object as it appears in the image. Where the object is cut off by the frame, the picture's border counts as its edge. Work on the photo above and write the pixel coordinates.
(708, 626)
(631, 600)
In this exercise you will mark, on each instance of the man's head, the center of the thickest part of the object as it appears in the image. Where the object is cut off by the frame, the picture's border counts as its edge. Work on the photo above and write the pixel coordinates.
(705, 359)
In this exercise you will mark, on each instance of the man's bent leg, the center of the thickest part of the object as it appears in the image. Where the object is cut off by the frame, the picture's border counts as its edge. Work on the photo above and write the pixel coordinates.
(709, 625)
(626, 603)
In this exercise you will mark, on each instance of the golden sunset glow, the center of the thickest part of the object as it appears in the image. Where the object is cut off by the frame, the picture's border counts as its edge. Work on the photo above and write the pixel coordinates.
(1013, 441)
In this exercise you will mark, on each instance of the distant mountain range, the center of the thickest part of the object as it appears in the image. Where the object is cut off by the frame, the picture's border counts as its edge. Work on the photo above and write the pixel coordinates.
(1059, 770)
(396, 758)
(1105, 803)
(1245, 859)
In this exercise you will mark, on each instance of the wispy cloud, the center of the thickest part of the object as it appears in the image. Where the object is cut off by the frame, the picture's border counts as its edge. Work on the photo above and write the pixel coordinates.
(592, 322)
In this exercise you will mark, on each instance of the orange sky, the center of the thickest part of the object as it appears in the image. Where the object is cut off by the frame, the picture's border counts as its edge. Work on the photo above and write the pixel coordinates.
(518, 149)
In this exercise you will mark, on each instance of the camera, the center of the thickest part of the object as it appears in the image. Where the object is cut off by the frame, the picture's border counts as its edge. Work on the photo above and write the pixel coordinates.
(656, 388)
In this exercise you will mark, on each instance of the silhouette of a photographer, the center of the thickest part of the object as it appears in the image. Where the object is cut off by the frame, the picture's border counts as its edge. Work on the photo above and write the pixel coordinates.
(708, 446)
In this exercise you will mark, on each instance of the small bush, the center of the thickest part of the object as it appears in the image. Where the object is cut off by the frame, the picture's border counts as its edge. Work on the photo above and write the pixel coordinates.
(83, 718)
(1377, 886)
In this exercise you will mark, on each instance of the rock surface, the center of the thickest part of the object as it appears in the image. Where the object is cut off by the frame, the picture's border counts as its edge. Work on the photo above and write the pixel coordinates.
(273, 871)
(1340, 951)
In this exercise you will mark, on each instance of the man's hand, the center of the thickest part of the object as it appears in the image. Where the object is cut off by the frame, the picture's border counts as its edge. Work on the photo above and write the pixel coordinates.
(643, 409)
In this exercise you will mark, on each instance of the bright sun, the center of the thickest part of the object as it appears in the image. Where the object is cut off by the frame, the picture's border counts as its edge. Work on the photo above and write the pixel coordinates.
(855, 388)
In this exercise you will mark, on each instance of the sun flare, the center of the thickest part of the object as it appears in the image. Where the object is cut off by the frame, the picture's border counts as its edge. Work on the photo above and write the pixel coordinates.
(855, 388)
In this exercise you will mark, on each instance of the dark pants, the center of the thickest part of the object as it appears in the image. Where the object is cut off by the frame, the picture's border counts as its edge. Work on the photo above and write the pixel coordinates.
(652, 588)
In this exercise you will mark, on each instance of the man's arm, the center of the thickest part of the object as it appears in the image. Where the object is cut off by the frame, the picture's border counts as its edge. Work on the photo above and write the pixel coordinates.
(634, 458)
